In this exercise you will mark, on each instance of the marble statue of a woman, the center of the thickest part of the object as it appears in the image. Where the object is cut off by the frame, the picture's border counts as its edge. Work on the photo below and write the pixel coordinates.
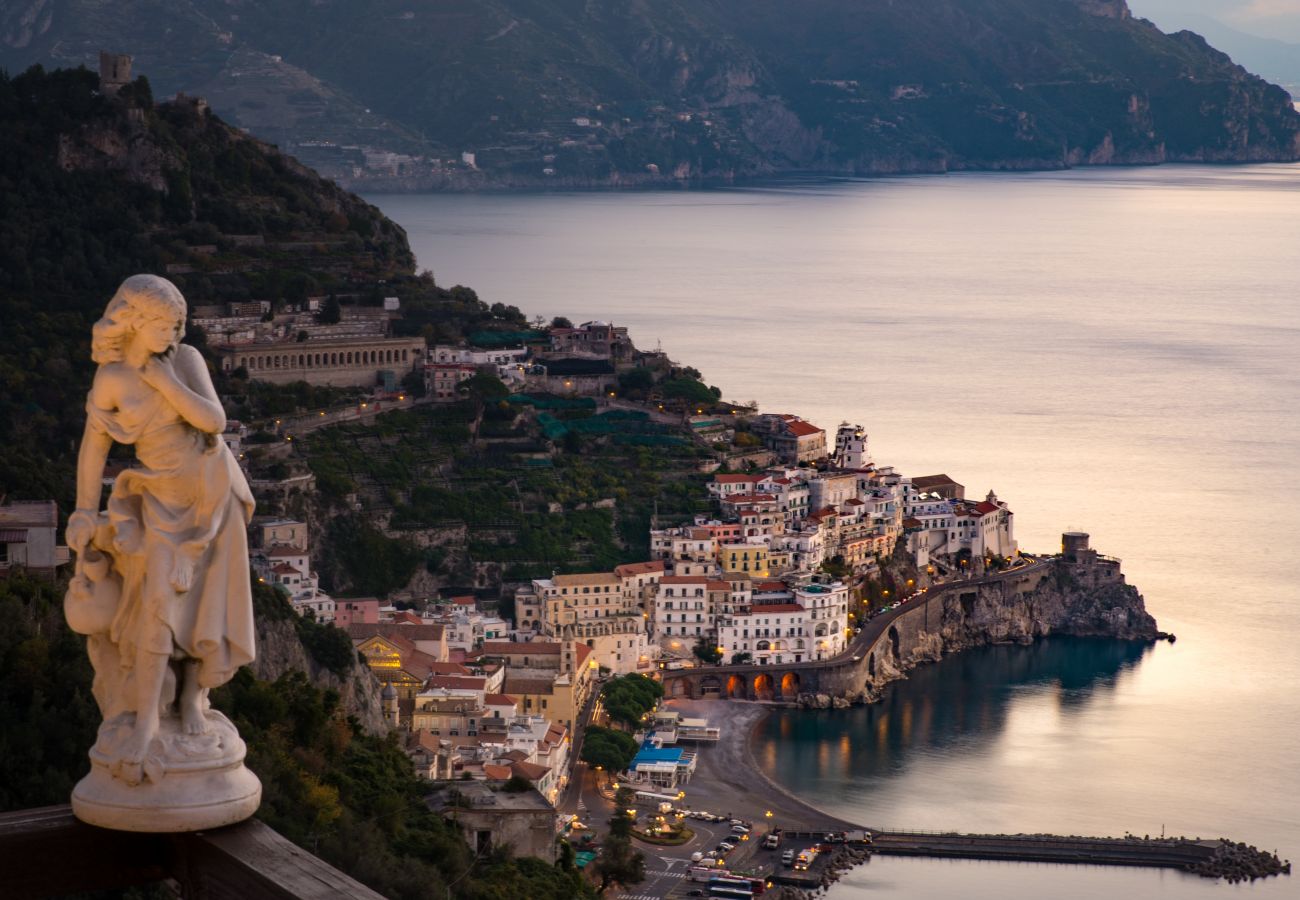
(161, 586)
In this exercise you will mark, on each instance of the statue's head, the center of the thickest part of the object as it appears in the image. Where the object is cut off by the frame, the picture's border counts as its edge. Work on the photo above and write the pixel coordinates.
(145, 307)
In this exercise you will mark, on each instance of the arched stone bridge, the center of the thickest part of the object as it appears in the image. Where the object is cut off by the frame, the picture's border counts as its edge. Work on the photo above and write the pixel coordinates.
(885, 644)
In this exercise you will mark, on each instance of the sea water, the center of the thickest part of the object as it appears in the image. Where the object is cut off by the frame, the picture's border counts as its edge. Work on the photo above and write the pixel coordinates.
(1112, 350)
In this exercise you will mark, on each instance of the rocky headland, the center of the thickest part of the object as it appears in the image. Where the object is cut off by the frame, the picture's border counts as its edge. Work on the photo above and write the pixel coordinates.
(1084, 597)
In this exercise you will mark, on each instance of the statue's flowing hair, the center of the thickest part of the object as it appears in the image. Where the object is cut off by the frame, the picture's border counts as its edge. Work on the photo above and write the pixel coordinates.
(140, 299)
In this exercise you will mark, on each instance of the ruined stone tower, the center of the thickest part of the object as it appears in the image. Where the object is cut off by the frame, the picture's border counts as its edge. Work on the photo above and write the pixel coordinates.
(114, 72)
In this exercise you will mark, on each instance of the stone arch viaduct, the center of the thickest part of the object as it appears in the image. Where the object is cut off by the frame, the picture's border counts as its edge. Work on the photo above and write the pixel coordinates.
(888, 644)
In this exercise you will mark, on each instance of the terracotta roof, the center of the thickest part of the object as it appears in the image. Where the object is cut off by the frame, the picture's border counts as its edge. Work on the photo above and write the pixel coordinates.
(515, 755)
(925, 482)
(984, 507)
(642, 568)
(737, 479)
(584, 579)
(285, 569)
(516, 648)
(403, 645)
(418, 663)
(283, 550)
(423, 740)
(719, 585)
(529, 686)
(854, 502)
(454, 682)
(389, 630)
(770, 586)
(582, 652)
(496, 773)
(499, 700)
(447, 668)
(803, 429)
(531, 771)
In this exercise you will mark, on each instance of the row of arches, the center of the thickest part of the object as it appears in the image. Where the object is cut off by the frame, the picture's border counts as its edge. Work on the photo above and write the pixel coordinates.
(762, 686)
(778, 685)
(263, 362)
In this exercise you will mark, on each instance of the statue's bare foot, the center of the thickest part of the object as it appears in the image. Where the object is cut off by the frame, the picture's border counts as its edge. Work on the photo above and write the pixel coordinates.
(193, 721)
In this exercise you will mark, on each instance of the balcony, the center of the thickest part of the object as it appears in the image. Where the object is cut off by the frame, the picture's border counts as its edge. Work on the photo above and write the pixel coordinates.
(48, 852)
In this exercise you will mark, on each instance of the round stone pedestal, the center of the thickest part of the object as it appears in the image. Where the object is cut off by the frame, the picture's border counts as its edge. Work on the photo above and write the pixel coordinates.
(187, 782)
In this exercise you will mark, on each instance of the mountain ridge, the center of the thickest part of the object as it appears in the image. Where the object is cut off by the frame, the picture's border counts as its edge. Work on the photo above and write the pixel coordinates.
(574, 93)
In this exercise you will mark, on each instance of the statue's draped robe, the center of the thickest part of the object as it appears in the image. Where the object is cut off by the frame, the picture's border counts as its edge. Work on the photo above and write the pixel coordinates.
(189, 503)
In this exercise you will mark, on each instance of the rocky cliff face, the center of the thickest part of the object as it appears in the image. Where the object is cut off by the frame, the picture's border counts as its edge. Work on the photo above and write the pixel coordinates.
(280, 651)
(1062, 604)
(1076, 600)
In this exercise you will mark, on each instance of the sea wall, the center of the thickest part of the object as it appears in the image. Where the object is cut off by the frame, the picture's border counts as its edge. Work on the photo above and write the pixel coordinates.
(1080, 599)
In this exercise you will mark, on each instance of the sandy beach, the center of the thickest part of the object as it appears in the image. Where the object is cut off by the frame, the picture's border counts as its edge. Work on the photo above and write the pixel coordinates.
(728, 779)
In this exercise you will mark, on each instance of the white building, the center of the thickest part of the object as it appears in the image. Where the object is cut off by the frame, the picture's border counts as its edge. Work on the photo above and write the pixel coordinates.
(851, 447)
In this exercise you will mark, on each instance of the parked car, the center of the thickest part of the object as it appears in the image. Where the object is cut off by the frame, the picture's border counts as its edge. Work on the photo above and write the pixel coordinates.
(739, 829)
(787, 858)
(772, 841)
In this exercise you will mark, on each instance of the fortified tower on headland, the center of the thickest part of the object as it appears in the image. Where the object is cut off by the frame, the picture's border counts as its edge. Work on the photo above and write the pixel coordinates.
(114, 72)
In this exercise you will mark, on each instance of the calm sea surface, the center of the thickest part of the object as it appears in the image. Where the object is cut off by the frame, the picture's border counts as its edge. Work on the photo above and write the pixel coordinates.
(1116, 351)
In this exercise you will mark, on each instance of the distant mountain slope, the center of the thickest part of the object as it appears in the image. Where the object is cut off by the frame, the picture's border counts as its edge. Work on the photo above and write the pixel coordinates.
(596, 92)
(1273, 58)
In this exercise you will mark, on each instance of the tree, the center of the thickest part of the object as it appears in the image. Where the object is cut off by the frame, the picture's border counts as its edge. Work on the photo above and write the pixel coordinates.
(484, 388)
(628, 699)
(561, 322)
(609, 749)
(618, 862)
(566, 860)
(517, 784)
(330, 311)
(706, 652)
(688, 389)
(741, 659)
(638, 379)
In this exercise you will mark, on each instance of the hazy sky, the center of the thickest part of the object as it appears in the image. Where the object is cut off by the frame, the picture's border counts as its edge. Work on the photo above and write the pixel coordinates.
(1266, 18)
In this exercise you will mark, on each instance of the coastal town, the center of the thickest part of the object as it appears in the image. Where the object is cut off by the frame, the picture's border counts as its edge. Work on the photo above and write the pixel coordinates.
(545, 715)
